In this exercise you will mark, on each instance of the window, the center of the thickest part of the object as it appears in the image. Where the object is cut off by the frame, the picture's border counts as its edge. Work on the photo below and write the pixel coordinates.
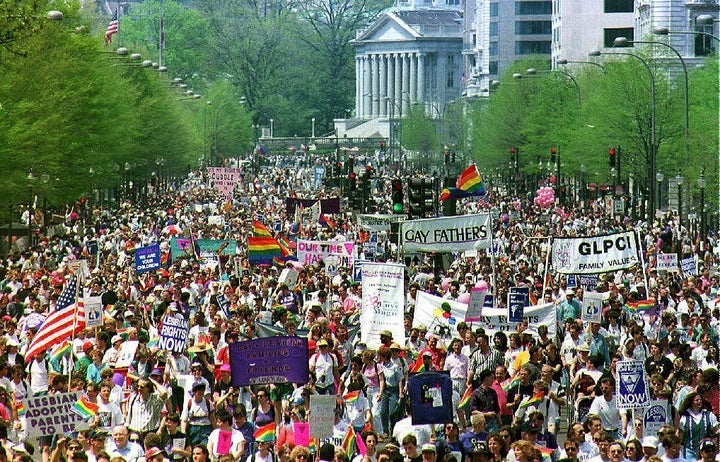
(528, 47)
(532, 27)
(450, 71)
(611, 34)
(493, 49)
(493, 67)
(533, 8)
(618, 6)
(494, 10)
(493, 29)
(704, 44)
(452, 2)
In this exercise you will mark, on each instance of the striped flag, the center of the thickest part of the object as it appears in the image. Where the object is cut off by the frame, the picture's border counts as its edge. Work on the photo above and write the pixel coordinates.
(265, 433)
(348, 443)
(260, 230)
(639, 306)
(84, 408)
(58, 326)
(20, 408)
(352, 397)
(536, 398)
(112, 27)
(511, 382)
(261, 250)
(417, 366)
(465, 400)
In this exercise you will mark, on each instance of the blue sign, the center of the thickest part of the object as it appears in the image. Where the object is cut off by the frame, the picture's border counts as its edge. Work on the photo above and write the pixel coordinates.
(147, 258)
(589, 281)
(92, 247)
(571, 280)
(632, 386)
(430, 396)
(518, 299)
(357, 270)
(174, 333)
(489, 301)
(224, 304)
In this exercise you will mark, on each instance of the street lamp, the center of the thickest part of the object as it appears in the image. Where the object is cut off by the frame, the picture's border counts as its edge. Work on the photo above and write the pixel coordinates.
(583, 186)
(701, 183)
(679, 182)
(624, 42)
(533, 71)
(313, 128)
(651, 153)
(205, 143)
(563, 62)
(659, 177)
(272, 127)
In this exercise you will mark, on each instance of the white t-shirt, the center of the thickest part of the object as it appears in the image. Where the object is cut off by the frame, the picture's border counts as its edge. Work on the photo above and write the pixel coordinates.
(236, 441)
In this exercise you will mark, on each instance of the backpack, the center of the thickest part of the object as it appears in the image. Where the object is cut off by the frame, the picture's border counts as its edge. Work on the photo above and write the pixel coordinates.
(211, 411)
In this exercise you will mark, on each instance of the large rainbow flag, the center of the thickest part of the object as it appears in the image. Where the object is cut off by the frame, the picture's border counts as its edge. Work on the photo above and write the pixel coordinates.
(639, 306)
(265, 433)
(262, 250)
(469, 183)
(260, 230)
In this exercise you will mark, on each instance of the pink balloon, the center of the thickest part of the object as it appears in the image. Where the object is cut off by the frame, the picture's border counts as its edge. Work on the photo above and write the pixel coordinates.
(482, 285)
(536, 200)
(445, 284)
(464, 298)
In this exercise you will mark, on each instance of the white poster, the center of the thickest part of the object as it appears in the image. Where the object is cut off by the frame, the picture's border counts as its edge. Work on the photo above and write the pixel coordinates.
(431, 312)
(383, 301)
(667, 262)
(321, 417)
(595, 254)
(310, 252)
(446, 234)
(379, 222)
(51, 414)
(289, 277)
(127, 353)
(592, 305)
(655, 416)
(93, 311)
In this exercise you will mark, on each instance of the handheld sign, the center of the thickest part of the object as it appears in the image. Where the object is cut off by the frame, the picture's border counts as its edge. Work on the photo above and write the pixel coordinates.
(174, 333)
(49, 415)
(475, 305)
(632, 387)
(592, 307)
(655, 416)
(518, 299)
(147, 258)
(93, 311)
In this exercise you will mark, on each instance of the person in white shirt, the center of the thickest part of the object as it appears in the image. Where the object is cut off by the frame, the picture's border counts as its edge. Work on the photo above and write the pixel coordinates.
(123, 447)
(237, 440)
(109, 414)
(672, 446)
(605, 407)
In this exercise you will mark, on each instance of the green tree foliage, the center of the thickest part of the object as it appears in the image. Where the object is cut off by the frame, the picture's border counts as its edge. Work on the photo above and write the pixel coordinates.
(228, 123)
(419, 133)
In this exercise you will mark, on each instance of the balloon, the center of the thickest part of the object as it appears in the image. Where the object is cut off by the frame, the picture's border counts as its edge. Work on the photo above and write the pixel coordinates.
(482, 285)
(445, 284)
(464, 298)
(437, 312)
(537, 200)
(504, 218)
(446, 315)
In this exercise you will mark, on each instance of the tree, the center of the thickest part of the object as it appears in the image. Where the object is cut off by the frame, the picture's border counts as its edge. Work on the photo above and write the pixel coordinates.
(418, 133)
(228, 121)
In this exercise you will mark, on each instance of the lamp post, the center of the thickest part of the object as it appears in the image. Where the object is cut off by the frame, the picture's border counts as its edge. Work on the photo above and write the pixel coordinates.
(272, 127)
(624, 42)
(205, 143)
(31, 178)
(563, 62)
(651, 153)
(701, 183)
(659, 177)
(679, 182)
(532, 71)
(583, 186)
(313, 128)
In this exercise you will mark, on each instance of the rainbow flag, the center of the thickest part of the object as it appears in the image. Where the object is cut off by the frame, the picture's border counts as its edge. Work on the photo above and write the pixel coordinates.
(265, 433)
(639, 306)
(84, 408)
(469, 181)
(465, 400)
(61, 351)
(417, 366)
(511, 382)
(153, 342)
(312, 446)
(20, 408)
(352, 397)
(348, 443)
(536, 398)
(261, 250)
(545, 451)
(260, 230)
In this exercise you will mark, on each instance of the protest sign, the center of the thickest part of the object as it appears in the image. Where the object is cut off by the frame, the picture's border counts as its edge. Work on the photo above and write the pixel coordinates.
(428, 312)
(51, 414)
(430, 398)
(592, 305)
(446, 234)
(357, 270)
(383, 301)
(655, 416)
(595, 254)
(260, 361)
(180, 247)
(475, 305)
(224, 179)
(147, 258)
(174, 333)
(688, 266)
(93, 311)
(214, 247)
(518, 299)
(126, 354)
(289, 277)
(379, 222)
(310, 252)
(632, 386)
(667, 262)
(321, 417)
(224, 304)
(302, 433)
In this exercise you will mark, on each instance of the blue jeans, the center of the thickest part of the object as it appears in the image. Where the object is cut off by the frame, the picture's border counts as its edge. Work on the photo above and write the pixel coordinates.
(389, 408)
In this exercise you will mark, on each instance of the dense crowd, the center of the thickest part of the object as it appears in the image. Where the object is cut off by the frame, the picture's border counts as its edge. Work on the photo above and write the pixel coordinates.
(529, 390)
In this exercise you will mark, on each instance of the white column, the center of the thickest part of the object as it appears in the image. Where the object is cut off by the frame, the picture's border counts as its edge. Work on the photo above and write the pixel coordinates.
(413, 78)
(367, 88)
(358, 86)
(391, 84)
(398, 84)
(375, 86)
(407, 96)
(383, 86)
(421, 78)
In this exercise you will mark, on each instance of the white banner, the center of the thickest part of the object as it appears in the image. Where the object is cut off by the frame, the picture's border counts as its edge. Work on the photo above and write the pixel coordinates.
(224, 179)
(310, 252)
(321, 417)
(51, 414)
(383, 302)
(379, 222)
(429, 312)
(595, 254)
(667, 262)
(446, 234)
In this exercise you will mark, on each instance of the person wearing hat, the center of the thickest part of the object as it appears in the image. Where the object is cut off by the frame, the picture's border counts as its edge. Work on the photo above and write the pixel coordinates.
(11, 356)
(154, 455)
(324, 365)
(650, 446)
(708, 450)
(569, 308)
(429, 452)
(198, 416)
(112, 353)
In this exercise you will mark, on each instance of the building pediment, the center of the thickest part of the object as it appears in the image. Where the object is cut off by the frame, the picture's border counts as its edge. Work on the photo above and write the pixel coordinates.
(387, 28)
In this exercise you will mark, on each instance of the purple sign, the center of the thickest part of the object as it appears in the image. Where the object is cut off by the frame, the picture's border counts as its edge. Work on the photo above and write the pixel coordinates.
(147, 258)
(266, 360)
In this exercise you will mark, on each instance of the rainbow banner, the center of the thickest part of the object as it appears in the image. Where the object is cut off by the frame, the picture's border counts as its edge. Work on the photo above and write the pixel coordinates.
(352, 397)
(639, 306)
(465, 400)
(265, 433)
(262, 250)
(536, 398)
(348, 443)
(63, 350)
(260, 230)
(20, 408)
(511, 382)
(84, 408)
(469, 183)
(417, 366)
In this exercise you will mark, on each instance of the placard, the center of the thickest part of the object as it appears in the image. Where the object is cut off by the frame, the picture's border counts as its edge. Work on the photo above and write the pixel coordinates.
(518, 299)
(147, 258)
(126, 354)
(666, 261)
(383, 301)
(475, 305)
(446, 234)
(51, 414)
(688, 266)
(592, 305)
(289, 277)
(93, 311)
(655, 416)
(430, 396)
(281, 359)
(357, 270)
(595, 254)
(310, 252)
(321, 417)
(632, 386)
(174, 333)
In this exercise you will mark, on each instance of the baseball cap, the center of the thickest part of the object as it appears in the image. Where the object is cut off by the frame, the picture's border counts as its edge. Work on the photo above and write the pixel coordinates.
(427, 447)
(115, 339)
(708, 445)
(87, 346)
(650, 442)
(152, 452)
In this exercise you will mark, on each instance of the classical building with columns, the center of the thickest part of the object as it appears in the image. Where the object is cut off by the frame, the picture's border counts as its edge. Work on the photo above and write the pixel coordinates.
(411, 55)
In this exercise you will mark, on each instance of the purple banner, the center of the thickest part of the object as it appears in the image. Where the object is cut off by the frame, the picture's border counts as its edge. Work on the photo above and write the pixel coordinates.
(259, 361)
(328, 206)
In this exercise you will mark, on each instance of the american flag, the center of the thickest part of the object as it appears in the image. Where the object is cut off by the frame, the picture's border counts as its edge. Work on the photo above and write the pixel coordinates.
(112, 28)
(58, 326)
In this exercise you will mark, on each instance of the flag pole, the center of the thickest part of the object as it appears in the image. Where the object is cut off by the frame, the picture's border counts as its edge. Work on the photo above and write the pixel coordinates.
(72, 340)
(547, 262)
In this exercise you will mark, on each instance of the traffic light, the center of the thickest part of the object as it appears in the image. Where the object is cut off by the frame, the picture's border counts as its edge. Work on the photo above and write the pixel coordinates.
(430, 201)
(553, 156)
(350, 165)
(449, 205)
(421, 197)
(398, 199)
(447, 157)
(611, 157)
(382, 145)
(338, 169)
